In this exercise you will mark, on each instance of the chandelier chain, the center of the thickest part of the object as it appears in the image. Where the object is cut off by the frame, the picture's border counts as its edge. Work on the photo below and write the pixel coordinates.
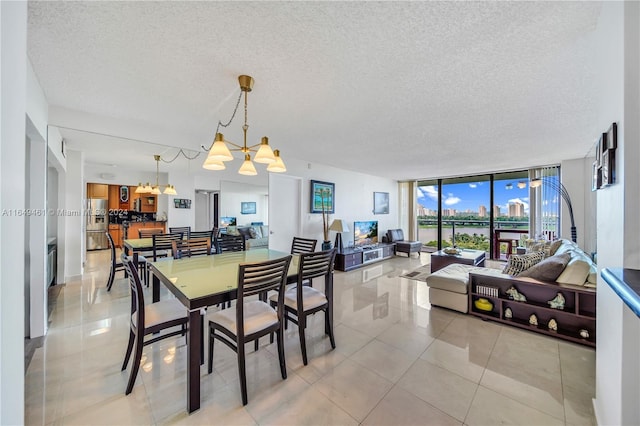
(184, 154)
(228, 123)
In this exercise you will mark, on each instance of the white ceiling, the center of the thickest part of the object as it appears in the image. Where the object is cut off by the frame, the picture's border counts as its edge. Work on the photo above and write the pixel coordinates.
(398, 89)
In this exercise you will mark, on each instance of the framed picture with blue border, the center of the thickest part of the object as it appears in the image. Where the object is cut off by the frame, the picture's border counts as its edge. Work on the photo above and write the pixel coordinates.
(322, 193)
(248, 207)
(380, 203)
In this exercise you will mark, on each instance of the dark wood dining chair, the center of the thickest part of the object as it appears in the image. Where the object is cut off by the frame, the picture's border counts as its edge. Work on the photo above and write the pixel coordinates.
(117, 265)
(303, 245)
(302, 301)
(191, 247)
(184, 230)
(204, 234)
(230, 243)
(252, 319)
(149, 232)
(149, 319)
(163, 244)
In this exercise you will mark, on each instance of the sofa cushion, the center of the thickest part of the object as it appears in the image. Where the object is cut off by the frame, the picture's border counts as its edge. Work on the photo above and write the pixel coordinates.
(518, 263)
(232, 230)
(576, 272)
(395, 235)
(252, 232)
(548, 269)
(455, 277)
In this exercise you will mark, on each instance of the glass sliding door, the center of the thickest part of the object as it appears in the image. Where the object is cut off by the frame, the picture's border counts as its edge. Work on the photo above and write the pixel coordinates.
(454, 212)
(511, 209)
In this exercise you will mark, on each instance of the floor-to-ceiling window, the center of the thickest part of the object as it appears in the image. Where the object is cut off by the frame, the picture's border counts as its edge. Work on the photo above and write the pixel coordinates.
(486, 212)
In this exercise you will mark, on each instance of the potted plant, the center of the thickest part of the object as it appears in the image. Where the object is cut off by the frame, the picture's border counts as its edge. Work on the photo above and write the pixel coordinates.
(326, 244)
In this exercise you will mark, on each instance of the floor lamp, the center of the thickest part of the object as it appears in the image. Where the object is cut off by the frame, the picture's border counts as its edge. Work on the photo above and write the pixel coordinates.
(339, 226)
(558, 186)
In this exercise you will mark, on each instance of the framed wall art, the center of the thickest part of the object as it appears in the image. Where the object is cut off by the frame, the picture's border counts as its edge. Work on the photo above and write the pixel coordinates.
(182, 203)
(380, 203)
(322, 193)
(247, 207)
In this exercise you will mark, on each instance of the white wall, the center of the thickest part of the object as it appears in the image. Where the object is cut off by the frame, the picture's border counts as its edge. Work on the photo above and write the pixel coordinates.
(232, 194)
(353, 202)
(618, 329)
(13, 71)
(576, 177)
(74, 223)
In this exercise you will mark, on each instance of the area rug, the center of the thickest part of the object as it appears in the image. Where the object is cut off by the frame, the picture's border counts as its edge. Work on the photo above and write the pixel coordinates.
(419, 274)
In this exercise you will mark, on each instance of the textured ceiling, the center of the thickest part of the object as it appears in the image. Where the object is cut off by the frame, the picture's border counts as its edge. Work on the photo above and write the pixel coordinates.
(399, 89)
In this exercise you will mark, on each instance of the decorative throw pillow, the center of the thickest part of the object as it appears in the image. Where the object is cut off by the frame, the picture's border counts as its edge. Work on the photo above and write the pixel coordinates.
(232, 230)
(555, 245)
(253, 233)
(548, 269)
(518, 263)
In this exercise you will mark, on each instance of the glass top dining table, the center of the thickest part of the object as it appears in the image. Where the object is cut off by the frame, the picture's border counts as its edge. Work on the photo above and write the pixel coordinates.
(198, 282)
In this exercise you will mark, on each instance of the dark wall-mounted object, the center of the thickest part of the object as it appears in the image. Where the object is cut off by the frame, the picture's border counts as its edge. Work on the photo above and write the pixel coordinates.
(182, 203)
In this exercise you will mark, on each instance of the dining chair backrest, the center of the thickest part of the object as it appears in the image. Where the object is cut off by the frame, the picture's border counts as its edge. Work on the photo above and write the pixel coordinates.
(303, 245)
(163, 243)
(202, 234)
(137, 294)
(185, 230)
(191, 247)
(316, 264)
(259, 278)
(149, 232)
(230, 243)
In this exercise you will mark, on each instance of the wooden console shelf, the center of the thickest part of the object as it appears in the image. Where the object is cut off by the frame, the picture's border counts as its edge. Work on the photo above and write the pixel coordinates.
(352, 258)
(579, 311)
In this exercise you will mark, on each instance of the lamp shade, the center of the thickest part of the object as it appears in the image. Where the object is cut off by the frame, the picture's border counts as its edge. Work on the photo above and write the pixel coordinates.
(277, 166)
(247, 167)
(170, 190)
(155, 190)
(211, 164)
(339, 225)
(535, 182)
(265, 154)
(219, 150)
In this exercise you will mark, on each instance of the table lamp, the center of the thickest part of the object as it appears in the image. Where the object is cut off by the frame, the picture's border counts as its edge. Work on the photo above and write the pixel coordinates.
(339, 226)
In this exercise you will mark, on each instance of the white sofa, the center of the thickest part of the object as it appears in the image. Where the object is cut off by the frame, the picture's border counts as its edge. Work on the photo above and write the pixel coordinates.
(448, 287)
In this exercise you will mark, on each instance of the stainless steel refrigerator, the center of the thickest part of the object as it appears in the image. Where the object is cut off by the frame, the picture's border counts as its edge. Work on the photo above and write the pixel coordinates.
(97, 224)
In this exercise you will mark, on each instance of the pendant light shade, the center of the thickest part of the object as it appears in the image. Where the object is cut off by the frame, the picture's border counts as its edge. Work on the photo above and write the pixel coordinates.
(265, 154)
(219, 150)
(277, 166)
(170, 190)
(247, 167)
(211, 164)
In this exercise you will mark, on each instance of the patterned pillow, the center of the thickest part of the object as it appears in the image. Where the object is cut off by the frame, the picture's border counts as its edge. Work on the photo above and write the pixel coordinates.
(253, 233)
(549, 269)
(232, 230)
(518, 263)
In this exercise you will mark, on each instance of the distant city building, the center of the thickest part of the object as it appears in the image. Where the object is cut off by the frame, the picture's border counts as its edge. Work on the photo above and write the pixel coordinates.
(422, 211)
(449, 212)
(482, 211)
(516, 209)
(496, 211)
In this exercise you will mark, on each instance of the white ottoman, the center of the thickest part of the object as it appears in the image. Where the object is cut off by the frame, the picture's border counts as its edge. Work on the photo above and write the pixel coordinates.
(449, 286)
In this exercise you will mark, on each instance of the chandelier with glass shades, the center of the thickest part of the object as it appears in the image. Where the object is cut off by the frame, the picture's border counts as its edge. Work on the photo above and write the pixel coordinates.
(219, 152)
(155, 189)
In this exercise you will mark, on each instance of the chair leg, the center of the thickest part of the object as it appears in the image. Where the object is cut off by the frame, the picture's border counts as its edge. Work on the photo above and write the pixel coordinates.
(302, 323)
(242, 373)
(136, 364)
(211, 339)
(127, 355)
(111, 277)
(283, 365)
(256, 344)
(328, 326)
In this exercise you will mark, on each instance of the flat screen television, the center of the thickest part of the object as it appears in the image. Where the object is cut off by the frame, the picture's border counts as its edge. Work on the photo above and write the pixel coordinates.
(365, 232)
(227, 221)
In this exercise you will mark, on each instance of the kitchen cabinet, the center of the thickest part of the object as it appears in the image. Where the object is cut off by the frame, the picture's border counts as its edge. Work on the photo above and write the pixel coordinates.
(148, 203)
(135, 226)
(98, 190)
(116, 233)
(114, 201)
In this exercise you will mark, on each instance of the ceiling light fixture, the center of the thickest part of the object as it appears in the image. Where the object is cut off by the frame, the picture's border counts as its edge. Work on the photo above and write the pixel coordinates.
(522, 184)
(155, 190)
(219, 152)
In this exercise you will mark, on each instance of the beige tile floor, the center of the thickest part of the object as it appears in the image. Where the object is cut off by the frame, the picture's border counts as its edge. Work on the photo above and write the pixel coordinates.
(398, 361)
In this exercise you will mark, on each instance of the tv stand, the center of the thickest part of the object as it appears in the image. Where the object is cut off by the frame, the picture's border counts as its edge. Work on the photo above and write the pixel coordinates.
(356, 257)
